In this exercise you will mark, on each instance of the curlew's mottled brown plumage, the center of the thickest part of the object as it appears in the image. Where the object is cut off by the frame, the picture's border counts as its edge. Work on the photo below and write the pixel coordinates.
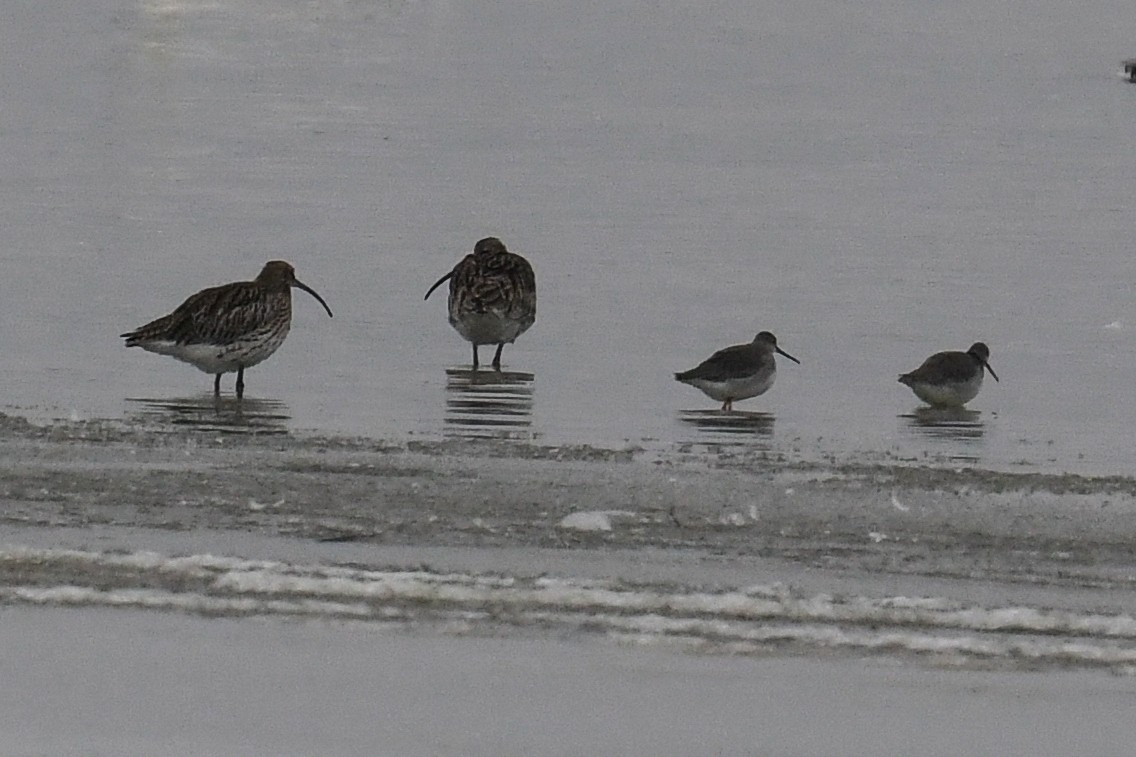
(738, 372)
(230, 327)
(492, 296)
(950, 379)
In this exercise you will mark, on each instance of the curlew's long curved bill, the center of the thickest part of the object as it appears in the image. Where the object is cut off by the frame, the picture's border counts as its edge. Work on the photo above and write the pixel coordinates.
(300, 285)
(786, 354)
(992, 373)
(437, 284)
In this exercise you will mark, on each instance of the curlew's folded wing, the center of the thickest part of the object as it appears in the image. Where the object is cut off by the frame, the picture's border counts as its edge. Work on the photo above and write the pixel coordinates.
(217, 316)
(503, 283)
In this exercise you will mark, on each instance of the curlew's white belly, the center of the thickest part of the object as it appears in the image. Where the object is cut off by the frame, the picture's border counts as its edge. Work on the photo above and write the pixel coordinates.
(488, 328)
(213, 359)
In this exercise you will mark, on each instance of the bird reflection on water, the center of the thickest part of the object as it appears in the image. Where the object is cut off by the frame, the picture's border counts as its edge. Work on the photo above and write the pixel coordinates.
(488, 404)
(949, 424)
(206, 412)
(717, 429)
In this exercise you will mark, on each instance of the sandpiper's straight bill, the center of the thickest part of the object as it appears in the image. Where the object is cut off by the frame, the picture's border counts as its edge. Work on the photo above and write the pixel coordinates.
(738, 372)
(950, 379)
(492, 296)
(230, 327)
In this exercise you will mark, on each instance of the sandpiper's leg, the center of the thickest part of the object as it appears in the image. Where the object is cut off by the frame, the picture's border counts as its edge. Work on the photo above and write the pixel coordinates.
(217, 385)
(497, 356)
(475, 356)
(240, 382)
(728, 406)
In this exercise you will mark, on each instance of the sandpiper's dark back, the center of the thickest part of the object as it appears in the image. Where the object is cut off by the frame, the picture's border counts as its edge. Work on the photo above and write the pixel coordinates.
(492, 296)
(951, 366)
(952, 378)
(737, 372)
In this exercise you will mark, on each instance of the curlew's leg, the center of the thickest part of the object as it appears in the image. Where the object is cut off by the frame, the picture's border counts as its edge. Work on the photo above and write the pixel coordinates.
(240, 382)
(497, 356)
(728, 406)
(217, 385)
(475, 356)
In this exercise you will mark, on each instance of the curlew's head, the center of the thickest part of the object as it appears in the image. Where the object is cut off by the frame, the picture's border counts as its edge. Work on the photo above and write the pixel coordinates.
(980, 352)
(278, 273)
(769, 341)
(489, 246)
(485, 248)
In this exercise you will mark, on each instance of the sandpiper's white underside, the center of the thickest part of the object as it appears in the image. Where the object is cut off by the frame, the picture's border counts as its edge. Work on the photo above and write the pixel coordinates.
(734, 389)
(952, 394)
(215, 359)
(488, 328)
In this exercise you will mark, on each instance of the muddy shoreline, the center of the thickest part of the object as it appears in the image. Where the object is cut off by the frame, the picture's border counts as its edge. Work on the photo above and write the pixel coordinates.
(892, 518)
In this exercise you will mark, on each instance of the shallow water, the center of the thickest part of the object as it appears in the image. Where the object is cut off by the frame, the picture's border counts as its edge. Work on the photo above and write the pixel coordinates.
(872, 185)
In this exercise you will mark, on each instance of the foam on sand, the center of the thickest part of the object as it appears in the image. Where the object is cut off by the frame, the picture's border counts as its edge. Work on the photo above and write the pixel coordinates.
(745, 619)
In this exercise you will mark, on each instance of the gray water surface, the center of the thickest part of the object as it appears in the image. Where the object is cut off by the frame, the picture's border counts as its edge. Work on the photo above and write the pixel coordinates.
(871, 183)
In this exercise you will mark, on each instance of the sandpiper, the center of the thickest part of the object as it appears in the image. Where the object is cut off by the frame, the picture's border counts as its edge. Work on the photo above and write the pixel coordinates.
(1129, 67)
(950, 379)
(492, 296)
(230, 327)
(738, 372)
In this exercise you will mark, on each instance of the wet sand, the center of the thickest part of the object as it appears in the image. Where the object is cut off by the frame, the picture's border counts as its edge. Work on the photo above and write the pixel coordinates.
(131, 683)
(895, 518)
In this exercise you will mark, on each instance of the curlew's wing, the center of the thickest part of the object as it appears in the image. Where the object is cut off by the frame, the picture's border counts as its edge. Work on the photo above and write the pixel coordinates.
(218, 315)
(503, 283)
